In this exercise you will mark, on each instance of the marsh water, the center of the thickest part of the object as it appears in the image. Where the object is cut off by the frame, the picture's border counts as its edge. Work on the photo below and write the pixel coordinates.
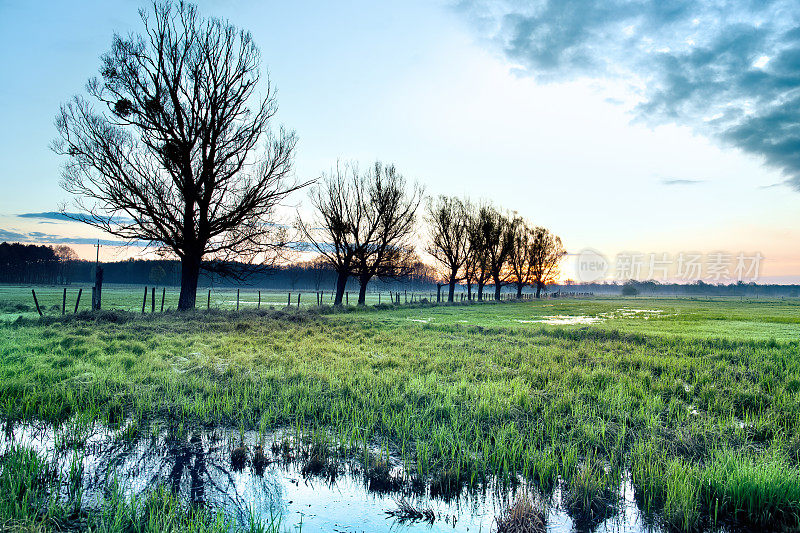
(227, 469)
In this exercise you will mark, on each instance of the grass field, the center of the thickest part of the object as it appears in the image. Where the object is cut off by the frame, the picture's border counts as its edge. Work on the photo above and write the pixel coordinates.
(17, 300)
(697, 403)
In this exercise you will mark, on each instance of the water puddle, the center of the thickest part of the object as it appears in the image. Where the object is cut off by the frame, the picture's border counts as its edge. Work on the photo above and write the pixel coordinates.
(563, 320)
(276, 475)
(420, 320)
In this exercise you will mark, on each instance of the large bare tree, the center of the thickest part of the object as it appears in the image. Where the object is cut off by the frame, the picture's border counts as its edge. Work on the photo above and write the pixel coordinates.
(448, 222)
(180, 153)
(545, 256)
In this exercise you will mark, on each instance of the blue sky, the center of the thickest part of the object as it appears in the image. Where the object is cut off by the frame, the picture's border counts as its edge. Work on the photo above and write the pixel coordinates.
(650, 127)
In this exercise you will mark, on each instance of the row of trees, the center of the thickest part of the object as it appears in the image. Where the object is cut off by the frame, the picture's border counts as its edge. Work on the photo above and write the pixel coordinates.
(481, 245)
(364, 227)
(180, 153)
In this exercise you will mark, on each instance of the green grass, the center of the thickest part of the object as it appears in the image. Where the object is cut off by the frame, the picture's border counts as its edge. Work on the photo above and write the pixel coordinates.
(29, 486)
(17, 300)
(700, 403)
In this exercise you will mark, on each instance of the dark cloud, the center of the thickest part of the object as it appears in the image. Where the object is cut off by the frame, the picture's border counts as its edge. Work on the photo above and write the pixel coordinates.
(668, 181)
(730, 69)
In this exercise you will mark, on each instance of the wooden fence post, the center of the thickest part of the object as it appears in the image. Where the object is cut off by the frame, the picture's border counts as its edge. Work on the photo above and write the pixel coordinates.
(36, 301)
(208, 302)
(259, 300)
(237, 299)
(298, 300)
(347, 298)
(163, 295)
(289, 300)
(64, 303)
(144, 300)
(78, 300)
(153, 300)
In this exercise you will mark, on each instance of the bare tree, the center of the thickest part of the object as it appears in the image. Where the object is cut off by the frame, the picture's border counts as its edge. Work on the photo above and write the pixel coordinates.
(385, 251)
(496, 236)
(448, 222)
(338, 225)
(545, 257)
(178, 157)
(477, 265)
(362, 224)
(519, 261)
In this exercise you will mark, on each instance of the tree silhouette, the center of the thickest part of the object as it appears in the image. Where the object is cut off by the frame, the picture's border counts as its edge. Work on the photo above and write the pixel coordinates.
(448, 220)
(178, 157)
(545, 256)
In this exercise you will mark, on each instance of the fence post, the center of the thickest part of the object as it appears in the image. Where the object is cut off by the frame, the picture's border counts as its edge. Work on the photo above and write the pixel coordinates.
(298, 300)
(163, 295)
(78, 300)
(64, 303)
(259, 300)
(289, 300)
(144, 300)
(208, 302)
(405, 295)
(237, 299)
(36, 301)
(152, 300)
(347, 298)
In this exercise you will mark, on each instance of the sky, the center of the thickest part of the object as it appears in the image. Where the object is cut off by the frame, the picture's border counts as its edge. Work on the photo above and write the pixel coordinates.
(629, 128)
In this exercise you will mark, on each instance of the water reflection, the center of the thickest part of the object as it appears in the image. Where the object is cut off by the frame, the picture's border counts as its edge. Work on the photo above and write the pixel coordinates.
(247, 474)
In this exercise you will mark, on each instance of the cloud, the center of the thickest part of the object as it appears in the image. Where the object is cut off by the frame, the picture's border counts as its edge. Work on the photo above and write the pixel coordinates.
(668, 181)
(728, 68)
(37, 237)
(70, 217)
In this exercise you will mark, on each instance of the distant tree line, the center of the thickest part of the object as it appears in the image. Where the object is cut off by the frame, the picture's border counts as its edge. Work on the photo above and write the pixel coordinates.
(30, 263)
(697, 288)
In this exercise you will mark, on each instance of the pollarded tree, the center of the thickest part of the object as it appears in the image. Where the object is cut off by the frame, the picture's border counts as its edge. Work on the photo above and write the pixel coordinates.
(545, 256)
(497, 238)
(448, 222)
(386, 251)
(340, 222)
(520, 264)
(476, 268)
(362, 224)
(181, 153)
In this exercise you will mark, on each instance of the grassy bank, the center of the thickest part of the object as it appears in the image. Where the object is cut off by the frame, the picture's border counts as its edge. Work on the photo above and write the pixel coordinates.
(699, 402)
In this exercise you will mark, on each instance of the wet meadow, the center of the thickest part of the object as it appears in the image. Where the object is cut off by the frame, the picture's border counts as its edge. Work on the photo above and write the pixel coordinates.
(615, 414)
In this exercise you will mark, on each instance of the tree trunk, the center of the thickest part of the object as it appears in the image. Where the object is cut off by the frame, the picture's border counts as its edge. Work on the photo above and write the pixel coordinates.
(497, 288)
(451, 291)
(519, 291)
(480, 291)
(362, 290)
(190, 273)
(341, 284)
(538, 290)
(469, 290)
